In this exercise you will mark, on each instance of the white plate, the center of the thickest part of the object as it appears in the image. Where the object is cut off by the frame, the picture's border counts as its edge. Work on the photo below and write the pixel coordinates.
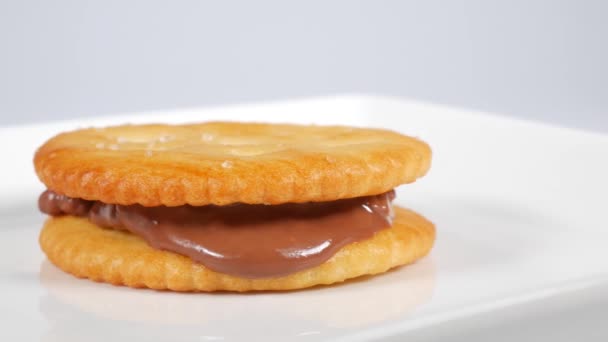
(519, 207)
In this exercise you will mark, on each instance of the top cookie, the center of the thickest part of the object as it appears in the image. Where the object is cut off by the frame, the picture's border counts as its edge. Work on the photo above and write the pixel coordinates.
(222, 163)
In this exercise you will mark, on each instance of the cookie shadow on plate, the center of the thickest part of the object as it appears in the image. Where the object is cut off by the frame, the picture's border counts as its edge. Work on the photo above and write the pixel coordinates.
(479, 233)
(326, 310)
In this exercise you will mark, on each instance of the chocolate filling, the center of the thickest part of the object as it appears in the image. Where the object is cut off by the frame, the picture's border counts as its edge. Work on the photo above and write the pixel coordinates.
(245, 240)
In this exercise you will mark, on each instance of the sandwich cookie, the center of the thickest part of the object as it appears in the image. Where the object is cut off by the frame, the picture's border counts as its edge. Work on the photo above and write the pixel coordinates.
(230, 206)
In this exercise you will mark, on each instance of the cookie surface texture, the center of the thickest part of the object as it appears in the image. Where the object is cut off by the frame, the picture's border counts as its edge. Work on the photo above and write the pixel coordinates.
(87, 251)
(222, 163)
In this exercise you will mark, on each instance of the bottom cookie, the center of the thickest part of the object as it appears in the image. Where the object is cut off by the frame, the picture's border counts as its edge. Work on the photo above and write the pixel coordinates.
(85, 250)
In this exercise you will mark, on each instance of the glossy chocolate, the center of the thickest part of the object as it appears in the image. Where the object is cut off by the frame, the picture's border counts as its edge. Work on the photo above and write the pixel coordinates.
(244, 240)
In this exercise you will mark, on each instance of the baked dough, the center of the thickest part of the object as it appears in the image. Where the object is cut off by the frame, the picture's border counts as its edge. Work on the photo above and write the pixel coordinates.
(88, 251)
(222, 163)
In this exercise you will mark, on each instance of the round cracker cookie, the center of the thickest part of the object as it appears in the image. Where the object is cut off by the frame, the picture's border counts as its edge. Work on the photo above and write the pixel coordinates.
(88, 251)
(222, 163)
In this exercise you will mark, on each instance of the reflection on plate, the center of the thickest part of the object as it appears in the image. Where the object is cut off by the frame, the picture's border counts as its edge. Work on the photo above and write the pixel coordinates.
(380, 298)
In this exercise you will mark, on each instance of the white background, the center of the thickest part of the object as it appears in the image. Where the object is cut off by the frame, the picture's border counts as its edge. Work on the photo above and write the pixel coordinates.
(543, 60)
(520, 252)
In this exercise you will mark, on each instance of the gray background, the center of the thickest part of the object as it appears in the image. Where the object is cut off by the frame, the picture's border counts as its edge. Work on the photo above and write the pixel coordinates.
(543, 60)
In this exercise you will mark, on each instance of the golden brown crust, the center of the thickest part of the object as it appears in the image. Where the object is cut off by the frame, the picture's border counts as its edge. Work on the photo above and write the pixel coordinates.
(221, 163)
(85, 250)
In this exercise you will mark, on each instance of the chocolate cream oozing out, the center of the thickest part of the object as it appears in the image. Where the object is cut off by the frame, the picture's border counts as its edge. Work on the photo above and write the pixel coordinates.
(245, 240)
